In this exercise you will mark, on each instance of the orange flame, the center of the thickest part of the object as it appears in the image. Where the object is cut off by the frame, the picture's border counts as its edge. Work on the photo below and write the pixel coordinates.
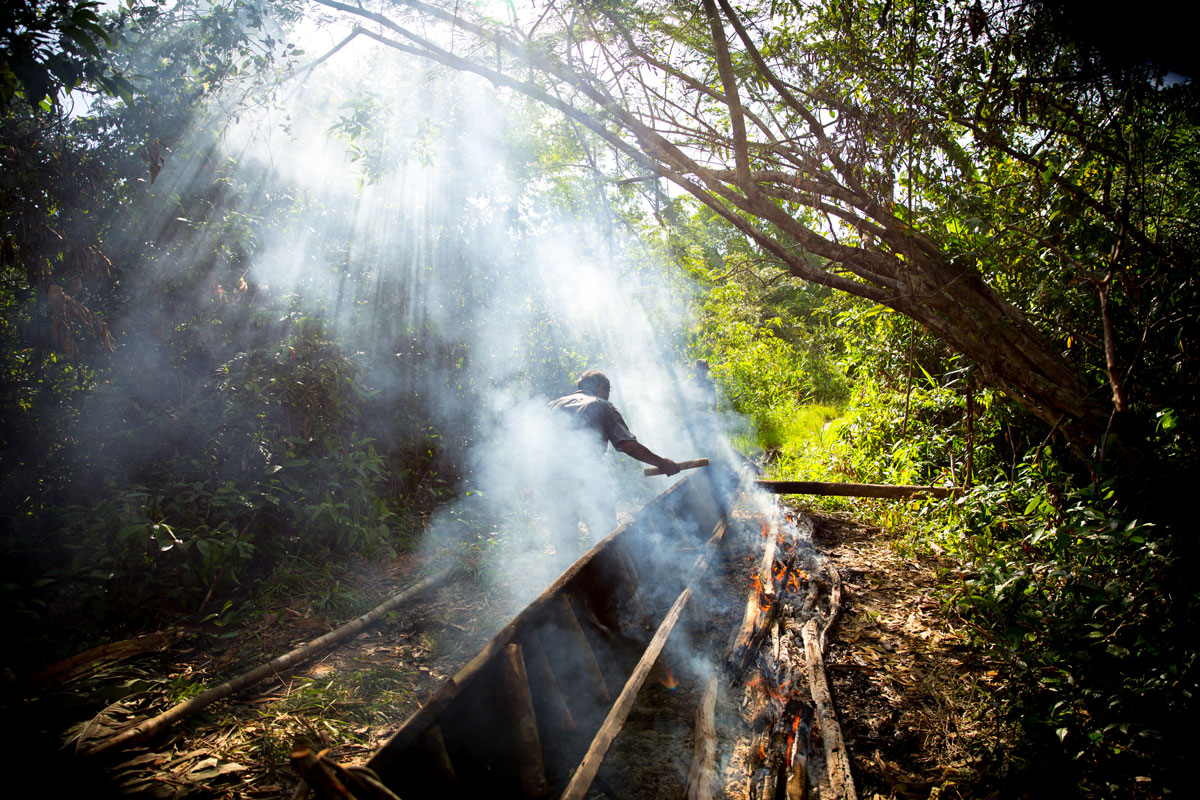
(669, 680)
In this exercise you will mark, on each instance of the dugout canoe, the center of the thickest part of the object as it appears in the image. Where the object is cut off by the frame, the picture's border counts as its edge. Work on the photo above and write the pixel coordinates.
(533, 713)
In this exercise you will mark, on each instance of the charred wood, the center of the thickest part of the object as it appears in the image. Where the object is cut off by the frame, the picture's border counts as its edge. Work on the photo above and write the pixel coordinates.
(837, 759)
(701, 783)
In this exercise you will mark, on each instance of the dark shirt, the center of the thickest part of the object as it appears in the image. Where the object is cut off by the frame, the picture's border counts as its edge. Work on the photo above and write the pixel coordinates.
(592, 413)
(704, 391)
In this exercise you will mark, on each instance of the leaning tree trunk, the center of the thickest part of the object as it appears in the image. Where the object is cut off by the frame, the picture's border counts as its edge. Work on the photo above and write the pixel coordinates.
(753, 149)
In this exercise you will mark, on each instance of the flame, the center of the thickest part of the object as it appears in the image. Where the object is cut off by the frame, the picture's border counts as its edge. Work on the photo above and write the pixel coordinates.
(668, 680)
(792, 734)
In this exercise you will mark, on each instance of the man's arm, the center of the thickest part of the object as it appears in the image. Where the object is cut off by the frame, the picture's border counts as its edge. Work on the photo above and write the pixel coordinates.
(635, 449)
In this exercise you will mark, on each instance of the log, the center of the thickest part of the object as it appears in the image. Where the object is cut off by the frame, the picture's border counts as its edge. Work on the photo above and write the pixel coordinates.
(701, 778)
(883, 490)
(694, 463)
(144, 730)
(531, 770)
(772, 616)
(837, 759)
(585, 773)
(741, 638)
(797, 783)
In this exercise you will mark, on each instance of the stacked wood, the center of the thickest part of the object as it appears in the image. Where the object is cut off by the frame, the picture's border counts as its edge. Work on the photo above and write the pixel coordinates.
(784, 695)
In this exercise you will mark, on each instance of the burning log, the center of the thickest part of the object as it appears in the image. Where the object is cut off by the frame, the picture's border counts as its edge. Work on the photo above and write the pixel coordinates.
(700, 785)
(772, 616)
(531, 771)
(741, 638)
(797, 783)
(837, 760)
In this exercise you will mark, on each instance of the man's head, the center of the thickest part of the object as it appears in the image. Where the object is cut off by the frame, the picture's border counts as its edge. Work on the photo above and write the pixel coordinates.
(594, 382)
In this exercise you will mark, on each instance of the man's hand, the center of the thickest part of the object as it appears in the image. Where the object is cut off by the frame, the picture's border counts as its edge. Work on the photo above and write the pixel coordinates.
(646, 456)
(667, 466)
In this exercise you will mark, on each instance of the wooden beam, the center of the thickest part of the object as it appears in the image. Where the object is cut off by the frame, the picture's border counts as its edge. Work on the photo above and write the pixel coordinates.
(827, 489)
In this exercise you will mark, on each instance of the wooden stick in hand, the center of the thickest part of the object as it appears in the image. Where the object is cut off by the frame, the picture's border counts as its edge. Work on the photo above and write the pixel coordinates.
(693, 464)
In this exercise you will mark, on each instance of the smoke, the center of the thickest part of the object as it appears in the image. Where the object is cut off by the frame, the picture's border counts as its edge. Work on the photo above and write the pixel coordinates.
(432, 226)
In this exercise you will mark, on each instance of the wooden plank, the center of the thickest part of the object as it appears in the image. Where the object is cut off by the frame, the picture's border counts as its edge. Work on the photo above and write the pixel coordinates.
(581, 781)
(883, 490)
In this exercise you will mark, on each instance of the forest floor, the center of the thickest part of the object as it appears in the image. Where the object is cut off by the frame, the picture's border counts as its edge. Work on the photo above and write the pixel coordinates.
(902, 675)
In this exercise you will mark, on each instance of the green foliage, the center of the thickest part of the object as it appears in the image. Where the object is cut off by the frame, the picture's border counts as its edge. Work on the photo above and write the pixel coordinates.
(1093, 614)
(48, 48)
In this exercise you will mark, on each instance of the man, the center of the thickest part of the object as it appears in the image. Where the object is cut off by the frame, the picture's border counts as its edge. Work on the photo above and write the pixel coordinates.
(595, 423)
(704, 391)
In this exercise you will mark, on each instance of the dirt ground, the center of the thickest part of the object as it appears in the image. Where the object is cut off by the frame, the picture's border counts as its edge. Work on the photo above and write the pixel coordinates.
(901, 675)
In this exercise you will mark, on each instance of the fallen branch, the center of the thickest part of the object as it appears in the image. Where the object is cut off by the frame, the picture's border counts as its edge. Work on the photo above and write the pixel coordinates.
(144, 730)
